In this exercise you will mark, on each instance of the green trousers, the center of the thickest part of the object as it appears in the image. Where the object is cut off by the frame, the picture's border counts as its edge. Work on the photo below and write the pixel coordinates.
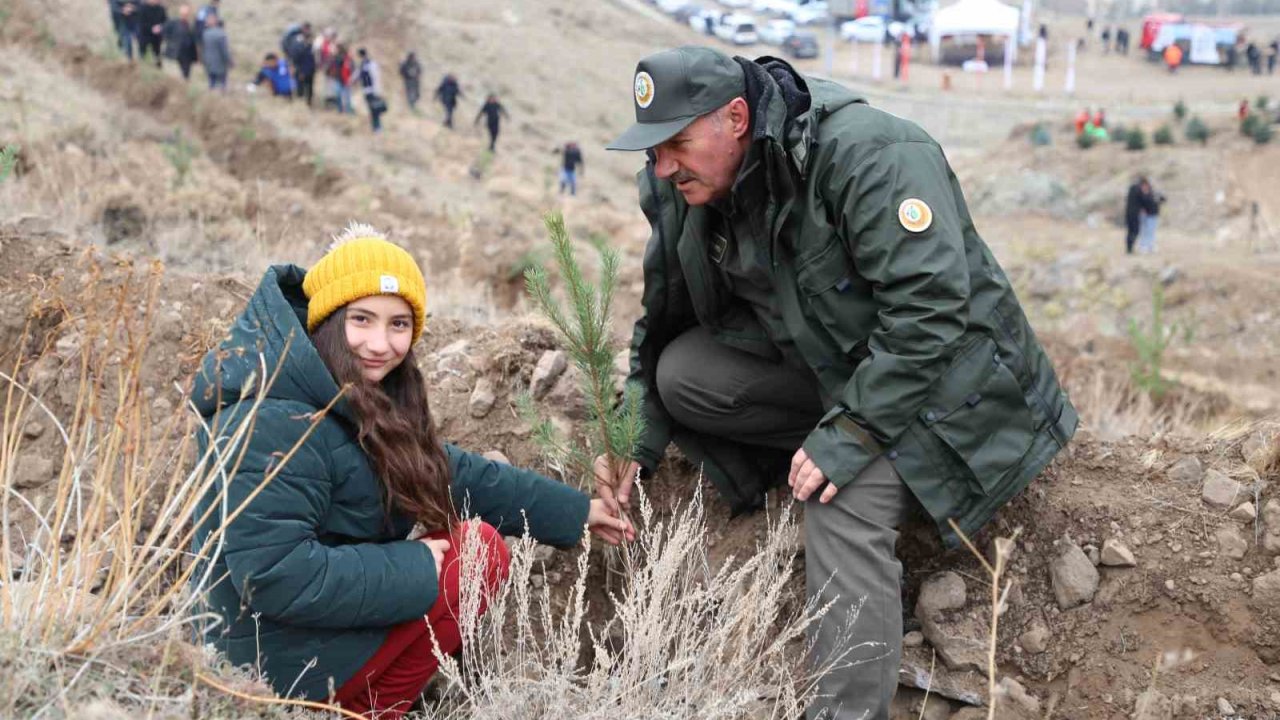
(734, 407)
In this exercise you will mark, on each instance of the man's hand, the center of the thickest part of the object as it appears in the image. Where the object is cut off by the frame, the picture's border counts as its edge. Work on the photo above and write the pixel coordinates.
(606, 525)
(438, 549)
(806, 478)
(613, 481)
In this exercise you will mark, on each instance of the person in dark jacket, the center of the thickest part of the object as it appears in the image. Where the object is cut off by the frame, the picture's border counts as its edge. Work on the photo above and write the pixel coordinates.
(298, 48)
(493, 112)
(151, 19)
(314, 574)
(215, 52)
(124, 20)
(340, 71)
(180, 41)
(448, 93)
(571, 167)
(820, 309)
(371, 85)
(1133, 204)
(411, 73)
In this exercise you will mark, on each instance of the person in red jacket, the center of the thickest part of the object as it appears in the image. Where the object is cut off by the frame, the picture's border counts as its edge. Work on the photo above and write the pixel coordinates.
(1082, 119)
(339, 70)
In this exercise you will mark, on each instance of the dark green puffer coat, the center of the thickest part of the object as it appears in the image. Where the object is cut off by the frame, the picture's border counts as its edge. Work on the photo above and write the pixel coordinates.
(314, 570)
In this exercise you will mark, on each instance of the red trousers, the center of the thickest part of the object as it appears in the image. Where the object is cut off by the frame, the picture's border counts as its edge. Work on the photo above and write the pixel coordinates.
(389, 683)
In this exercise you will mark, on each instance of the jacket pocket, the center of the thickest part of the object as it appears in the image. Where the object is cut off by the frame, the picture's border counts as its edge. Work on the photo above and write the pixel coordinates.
(979, 412)
(838, 298)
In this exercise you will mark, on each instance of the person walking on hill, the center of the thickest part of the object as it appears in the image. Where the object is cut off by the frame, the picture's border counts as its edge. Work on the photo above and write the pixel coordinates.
(1253, 55)
(320, 579)
(215, 52)
(180, 41)
(1133, 204)
(124, 20)
(371, 84)
(203, 14)
(1150, 217)
(819, 309)
(493, 112)
(571, 167)
(411, 73)
(448, 93)
(151, 20)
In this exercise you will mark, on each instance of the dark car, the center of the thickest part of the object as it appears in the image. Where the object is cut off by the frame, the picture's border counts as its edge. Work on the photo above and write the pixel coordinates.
(801, 45)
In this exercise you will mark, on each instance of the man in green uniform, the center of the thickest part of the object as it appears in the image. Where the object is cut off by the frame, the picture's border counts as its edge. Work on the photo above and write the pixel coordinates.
(819, 307)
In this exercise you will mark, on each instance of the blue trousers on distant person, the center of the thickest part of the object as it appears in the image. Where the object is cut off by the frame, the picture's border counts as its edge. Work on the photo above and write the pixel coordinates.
(569, 179)
(1147, 234)
(125, 34)
(217, 81)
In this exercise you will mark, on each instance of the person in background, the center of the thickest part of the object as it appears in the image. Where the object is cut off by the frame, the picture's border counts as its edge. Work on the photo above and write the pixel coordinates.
(151, 20)
(1106, 40)
(341, 71)
(1242, 110)
(296, 45)
(448, 94)
(215, 52)
(411, 73)
(1253, 55)
(1100, 118)
(1173, 57)
(124, 21)
(1133, 203)
(180, 41)
(1082, 118)
(202, 18)
(371, 84)
(493, 112)
(571, 166)
(1151, 202)
(275, 71)
(1273, 53)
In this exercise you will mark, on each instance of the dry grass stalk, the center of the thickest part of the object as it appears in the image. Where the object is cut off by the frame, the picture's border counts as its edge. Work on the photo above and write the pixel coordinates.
(684, 639)
(1003, 550)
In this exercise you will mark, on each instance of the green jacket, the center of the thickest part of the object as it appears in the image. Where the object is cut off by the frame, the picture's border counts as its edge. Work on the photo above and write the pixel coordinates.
(917, 336)
(314, 569)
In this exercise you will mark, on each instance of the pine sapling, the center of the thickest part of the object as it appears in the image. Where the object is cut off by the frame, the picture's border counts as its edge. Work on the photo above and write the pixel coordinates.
(613, 429)
(8, 161)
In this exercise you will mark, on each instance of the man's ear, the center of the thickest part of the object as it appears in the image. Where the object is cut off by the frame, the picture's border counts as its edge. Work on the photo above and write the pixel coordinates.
(739, 117)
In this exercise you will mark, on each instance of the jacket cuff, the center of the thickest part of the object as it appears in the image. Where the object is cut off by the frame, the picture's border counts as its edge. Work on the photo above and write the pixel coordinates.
(839, 453)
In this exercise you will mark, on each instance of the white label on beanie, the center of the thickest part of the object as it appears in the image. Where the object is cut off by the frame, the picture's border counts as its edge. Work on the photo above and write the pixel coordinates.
(390, 284)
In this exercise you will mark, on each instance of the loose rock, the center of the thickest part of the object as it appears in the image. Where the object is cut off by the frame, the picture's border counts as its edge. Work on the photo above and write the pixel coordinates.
(548, 370)
(941, 592)
(482, 399)
(1225, 707)
(1152, 705)
(33, 472)
(1187, 471)
(1266, 590)
(1220, 491)
(1115, 554)
(1244, 512)
(1018, 697)
(32, 430)
(1036, 639)
(1075, 579)
(913, 639)
(1230, 542)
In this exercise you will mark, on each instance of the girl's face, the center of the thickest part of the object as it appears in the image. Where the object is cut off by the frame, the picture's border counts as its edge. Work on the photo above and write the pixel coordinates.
(379, 331)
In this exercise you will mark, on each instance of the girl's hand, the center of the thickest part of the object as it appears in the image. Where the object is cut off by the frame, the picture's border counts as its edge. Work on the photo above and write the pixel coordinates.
(438, 549)
(606, 525)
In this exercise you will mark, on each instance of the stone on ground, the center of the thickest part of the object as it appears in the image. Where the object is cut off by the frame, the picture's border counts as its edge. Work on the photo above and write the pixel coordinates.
(1075, 579)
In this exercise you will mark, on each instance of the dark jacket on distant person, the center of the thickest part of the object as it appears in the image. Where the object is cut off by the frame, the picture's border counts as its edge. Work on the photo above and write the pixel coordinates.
(180, 40)
(449, 91)
(215, 51)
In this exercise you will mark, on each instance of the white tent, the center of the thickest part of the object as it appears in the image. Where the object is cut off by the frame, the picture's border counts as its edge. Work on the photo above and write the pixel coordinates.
(974, 17)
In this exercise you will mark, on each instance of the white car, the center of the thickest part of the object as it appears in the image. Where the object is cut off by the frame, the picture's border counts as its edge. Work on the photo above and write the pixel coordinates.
(671, 6)
(737, 29)
(809, 13)
(781, 8)
(776, 32)
(868, 29)
(736, 4)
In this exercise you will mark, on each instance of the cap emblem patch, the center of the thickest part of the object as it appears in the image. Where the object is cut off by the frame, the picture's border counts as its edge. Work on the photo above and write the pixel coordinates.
(644, 89)
(915, 215)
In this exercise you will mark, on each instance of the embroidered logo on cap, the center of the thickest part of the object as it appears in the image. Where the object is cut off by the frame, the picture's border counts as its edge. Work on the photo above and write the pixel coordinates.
(915, 215)
(644, 89)
(390, 284)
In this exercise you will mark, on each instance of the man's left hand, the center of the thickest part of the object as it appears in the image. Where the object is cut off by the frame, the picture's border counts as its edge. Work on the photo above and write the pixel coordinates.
(806, 478)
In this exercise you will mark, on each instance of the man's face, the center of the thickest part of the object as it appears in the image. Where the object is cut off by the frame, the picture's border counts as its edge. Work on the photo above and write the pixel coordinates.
(703, 159)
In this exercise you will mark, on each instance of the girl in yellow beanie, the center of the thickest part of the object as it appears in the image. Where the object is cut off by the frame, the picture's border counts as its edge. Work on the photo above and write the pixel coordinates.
(314, 579)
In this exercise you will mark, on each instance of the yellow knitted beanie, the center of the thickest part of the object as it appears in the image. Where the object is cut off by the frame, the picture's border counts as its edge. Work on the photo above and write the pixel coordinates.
(361, 263)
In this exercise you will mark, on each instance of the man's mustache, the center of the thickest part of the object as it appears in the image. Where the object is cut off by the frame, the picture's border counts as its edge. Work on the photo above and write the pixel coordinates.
(683, 176)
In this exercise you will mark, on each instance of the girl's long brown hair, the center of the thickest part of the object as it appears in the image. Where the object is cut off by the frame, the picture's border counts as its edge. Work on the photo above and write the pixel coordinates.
(394, 428)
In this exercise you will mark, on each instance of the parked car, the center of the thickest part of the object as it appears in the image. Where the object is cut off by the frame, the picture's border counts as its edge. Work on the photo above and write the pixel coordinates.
(671, 6)
(802, 45)
(807, 13)
(781, 8)
(776, 32)
(737, 29)
(736, 4)
(869, 29)
(705, 22)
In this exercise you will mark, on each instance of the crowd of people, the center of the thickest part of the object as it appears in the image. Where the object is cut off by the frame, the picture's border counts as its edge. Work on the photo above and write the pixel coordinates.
(145, 30)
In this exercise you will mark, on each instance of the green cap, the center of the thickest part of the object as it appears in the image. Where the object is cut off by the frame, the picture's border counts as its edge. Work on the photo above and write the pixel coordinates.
(673, 88)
